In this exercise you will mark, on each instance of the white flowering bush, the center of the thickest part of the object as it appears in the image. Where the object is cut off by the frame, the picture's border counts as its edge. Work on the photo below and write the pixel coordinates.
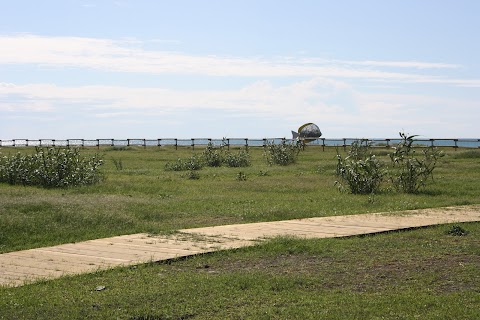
(281, 154)
(51, 168)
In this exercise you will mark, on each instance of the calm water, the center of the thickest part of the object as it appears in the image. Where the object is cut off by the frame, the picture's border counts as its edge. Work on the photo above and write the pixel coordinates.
(463, 143)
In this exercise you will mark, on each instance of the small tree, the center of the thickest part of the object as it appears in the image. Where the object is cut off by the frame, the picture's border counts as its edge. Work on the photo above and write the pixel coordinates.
(412, 172)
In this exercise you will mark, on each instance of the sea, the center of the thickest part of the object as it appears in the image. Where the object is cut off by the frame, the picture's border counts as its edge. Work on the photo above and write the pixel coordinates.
(192, 142)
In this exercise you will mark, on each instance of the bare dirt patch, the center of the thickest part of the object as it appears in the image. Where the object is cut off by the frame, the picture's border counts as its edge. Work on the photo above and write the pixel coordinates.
(445, 274)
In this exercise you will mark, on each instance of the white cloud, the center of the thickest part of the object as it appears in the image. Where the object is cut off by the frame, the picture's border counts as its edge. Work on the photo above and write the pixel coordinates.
(406, 64)
(113, 114)
(319, 99)
(329, 93)
(129, 56)
(258, 97)
(261, 106)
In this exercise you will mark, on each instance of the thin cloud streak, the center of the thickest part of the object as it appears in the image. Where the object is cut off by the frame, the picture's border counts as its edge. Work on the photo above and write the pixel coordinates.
(406, 64)
(128, 56)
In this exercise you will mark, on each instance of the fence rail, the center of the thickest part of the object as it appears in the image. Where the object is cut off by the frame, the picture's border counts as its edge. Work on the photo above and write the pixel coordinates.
(246, 142)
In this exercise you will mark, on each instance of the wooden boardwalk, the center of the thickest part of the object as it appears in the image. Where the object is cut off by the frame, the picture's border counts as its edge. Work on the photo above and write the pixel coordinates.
(22, 267)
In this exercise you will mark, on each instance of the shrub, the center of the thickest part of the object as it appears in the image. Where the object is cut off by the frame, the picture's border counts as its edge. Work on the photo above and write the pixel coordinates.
(213, 157)
(51, 168)
(192, 163)
(412, 172)
(241, 176)
(360, 170)
(456, 230)
(175, 166)
(241, 159)
(262, 173)
(281, 154)
(192, 175)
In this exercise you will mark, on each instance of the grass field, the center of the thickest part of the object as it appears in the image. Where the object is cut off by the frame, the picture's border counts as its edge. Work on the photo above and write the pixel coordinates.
(421, 273)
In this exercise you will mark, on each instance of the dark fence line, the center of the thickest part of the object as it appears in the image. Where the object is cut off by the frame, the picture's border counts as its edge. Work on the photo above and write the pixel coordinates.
(245, 142)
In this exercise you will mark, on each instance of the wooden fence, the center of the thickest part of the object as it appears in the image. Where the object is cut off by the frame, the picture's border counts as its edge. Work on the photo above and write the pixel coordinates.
(245, 142)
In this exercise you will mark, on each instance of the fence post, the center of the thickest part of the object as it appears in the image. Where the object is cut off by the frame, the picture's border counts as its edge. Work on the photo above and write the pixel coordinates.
(323, 144)
(193, 144)
(431, 142)
(159, 143)
(176, 144)
(388, 142)
(344, 144)
(456, 146)
(98, 144)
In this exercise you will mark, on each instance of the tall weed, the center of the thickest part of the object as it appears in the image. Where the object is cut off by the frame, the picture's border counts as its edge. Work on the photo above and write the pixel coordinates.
(411, 172)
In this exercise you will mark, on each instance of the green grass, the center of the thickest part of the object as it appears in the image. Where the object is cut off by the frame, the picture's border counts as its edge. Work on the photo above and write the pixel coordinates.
(144, 197)
(422, 273)
(470, 154)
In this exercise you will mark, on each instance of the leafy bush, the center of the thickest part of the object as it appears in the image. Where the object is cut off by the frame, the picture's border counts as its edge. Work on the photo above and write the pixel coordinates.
(456, 230)
(262, 173)
(192, 163)
(210, 157)
(240, 159)
(241, 176)
(213, 157)
(192, 175)
(281, 154)
(412, 172)
(50, 168)
(360, 170)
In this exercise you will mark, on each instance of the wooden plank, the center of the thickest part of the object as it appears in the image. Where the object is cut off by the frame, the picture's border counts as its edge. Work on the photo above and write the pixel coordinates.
(17, 268)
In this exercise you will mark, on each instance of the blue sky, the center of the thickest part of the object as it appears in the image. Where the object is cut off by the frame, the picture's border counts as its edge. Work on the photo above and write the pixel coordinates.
(255, 69)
